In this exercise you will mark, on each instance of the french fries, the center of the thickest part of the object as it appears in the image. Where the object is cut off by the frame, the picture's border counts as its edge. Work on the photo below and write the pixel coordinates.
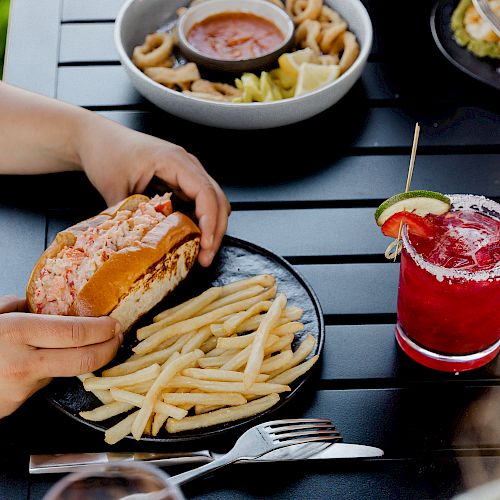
(188, 325)
(186, 312)
(222, 356)
(223, 415)
(106, 411)
(149, 373)
(200, 398)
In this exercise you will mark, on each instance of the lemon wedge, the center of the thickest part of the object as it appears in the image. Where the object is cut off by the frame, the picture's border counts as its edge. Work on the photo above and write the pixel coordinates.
(312, 76)
(283, 79)
(290, 62)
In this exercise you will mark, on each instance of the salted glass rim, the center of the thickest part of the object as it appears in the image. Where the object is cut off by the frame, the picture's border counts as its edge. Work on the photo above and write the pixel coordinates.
(467, 202)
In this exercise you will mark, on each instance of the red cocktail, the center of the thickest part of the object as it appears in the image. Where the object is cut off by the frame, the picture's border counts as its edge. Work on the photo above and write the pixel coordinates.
(449, 287)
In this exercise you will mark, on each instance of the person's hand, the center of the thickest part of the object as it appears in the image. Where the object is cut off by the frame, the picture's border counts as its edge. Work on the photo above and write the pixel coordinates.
(117, 160)
(35, 347)
(120, 161)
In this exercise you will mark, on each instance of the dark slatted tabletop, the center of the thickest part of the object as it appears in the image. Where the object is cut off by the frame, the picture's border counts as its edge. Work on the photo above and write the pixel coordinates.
(307, 192)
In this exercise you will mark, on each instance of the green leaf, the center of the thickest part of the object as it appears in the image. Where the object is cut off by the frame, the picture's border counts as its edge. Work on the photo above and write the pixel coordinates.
(4, 17)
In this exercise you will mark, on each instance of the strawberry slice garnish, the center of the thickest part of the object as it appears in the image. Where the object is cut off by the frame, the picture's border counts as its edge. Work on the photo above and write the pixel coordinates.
(417, 226)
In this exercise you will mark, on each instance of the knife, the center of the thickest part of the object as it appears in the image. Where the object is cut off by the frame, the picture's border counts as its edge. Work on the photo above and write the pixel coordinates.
(70, 462)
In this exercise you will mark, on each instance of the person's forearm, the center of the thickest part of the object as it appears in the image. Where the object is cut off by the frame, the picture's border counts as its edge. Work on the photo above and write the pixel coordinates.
(38, 134)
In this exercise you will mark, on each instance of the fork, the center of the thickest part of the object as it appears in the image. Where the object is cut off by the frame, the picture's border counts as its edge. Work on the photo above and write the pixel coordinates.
(486, 12)
(255, 442)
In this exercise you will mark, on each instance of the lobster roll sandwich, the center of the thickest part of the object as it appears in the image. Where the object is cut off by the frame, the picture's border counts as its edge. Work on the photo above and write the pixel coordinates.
(120, 263)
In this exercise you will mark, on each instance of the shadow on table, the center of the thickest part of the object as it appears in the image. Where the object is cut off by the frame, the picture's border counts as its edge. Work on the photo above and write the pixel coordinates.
(237, 158)
(279, 155)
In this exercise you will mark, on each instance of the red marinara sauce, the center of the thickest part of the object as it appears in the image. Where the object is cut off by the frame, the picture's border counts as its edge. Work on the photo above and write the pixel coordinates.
(235, 36)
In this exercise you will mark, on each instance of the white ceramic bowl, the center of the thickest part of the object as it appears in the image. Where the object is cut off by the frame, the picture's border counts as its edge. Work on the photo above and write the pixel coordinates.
(266, 10)
(138, 18)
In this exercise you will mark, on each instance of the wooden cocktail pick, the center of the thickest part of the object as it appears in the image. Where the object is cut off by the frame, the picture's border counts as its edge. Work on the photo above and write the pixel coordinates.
(394, 248)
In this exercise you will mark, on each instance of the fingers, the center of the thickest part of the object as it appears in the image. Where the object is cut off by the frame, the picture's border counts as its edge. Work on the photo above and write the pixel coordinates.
(61, 332)
(25, 367)
(75, 361)
(219, 222)
(212, 207)
(146, 158)
(11, 303)
(113, 195)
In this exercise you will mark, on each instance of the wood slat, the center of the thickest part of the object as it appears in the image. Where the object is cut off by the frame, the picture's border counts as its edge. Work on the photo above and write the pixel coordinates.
(408, 421)
(91, 86)
(14, 483)
(373, 128)
(31, 57)
(365, 354)
(21, 244)
(321, 180)
(312, 232)
(386, 480)
(354, 289)
(90, 10)
(83, 42)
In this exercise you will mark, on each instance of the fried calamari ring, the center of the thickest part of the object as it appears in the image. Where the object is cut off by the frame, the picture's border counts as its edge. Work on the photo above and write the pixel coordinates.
(328, 59)
(329, 35)
(328, 15)
(155, 50)
(182, 86)
(167, 63)
(216, 88)
(307, 35)
(228, 90)
(348, 45)
(171, 77)
(203, 87)
(300, 10)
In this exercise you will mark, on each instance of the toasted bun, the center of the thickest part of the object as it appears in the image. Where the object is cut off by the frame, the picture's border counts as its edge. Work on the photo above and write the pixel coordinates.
(135, 278)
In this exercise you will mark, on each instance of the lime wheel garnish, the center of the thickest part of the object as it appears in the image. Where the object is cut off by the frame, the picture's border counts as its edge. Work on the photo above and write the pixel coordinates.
(410, 209)
(420, 203)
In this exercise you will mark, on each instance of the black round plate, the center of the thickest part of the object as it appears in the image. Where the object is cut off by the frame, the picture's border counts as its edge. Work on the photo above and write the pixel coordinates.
(237, 259)
(485, 70)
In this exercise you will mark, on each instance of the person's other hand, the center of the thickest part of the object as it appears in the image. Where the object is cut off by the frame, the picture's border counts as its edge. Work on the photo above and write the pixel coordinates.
(120, 162)
(35, 347)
